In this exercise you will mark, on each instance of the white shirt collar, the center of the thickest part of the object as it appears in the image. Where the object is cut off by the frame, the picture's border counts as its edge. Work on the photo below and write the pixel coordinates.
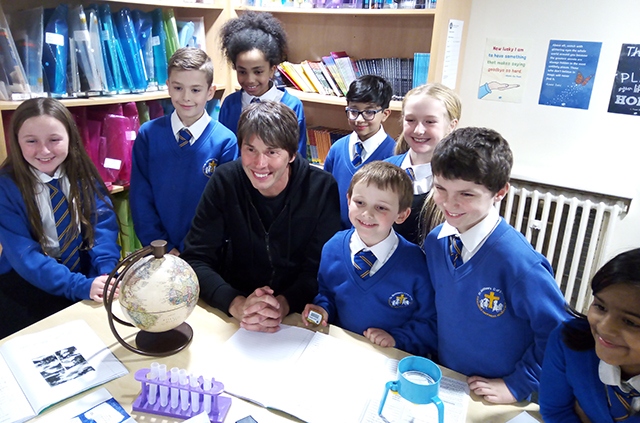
(273, 94)
(475, 237)
(424, 177)
(196, 129)
(382, 250)
(44, 178)
(611, 375)
(369, 146)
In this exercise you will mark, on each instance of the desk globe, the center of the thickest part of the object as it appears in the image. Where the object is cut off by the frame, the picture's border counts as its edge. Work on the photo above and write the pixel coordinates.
(158, 291)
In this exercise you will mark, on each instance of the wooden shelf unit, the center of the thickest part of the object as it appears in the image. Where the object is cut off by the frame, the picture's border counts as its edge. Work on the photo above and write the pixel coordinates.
(366, 34)
(214, 17)
(312, 33)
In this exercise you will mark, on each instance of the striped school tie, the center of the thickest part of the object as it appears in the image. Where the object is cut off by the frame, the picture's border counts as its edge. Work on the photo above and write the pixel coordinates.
(362, 262)
(620, 403)
(255, 100)
(184, 137)
(411, 173)
(69, 247)
(455, 250)
(357, 157)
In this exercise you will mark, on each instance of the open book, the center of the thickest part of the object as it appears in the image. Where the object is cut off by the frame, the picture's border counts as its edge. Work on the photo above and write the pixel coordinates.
(44, 368)
(312, 376)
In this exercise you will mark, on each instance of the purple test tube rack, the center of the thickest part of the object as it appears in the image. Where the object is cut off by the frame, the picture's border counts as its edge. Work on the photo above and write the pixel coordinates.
(219, 404)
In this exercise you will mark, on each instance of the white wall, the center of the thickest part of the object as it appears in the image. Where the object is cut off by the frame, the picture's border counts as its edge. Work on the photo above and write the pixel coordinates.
(591, 148)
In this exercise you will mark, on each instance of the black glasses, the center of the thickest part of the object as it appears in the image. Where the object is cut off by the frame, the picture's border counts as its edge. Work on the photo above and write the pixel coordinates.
(353, 114)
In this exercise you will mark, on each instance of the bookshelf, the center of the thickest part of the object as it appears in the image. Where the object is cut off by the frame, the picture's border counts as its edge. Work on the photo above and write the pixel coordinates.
(363, 33)
(313, 33)
(214, 16)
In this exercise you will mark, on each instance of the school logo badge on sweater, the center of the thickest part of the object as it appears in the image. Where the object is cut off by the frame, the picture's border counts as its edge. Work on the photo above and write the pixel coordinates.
(491, 301)
(209, 167)
(400, 299)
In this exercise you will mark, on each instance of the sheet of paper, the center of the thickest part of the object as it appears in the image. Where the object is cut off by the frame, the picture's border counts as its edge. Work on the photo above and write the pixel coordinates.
(452, 53)
(293, 368)
(289, 369)
(453, 393)
(523, 417)
(14, 406)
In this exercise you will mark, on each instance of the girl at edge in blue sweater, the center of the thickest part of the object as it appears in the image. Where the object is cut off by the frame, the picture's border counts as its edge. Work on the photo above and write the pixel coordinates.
(591, 369)
(39, 275)
(255, 44)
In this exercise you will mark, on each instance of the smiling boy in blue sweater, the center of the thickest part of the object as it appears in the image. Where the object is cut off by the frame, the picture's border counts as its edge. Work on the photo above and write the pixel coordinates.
(175, 155)
(371, 280)
(495, 296)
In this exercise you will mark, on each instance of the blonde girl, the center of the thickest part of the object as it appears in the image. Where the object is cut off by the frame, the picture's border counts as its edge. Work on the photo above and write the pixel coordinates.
(429, 113)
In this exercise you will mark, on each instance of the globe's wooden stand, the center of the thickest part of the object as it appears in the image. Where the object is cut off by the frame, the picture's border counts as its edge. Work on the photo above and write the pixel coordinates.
(155, 344)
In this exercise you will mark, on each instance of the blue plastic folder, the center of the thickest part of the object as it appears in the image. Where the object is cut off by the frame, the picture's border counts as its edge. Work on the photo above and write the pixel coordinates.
(131, 49)
(159, 43)
(142, 24)
(27, 30)
(87, 67)
(185, 34)
(108, 39)
(56, 51)
(93, 22)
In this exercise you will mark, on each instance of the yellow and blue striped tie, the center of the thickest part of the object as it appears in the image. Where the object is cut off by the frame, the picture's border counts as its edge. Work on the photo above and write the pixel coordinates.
(69, 247)
(184, 137)
(362, 261)
(455, 250)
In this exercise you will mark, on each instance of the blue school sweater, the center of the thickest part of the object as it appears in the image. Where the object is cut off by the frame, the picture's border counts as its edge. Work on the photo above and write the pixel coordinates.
(495, 311)
(398, 298)
(23, 254)
(338, 162)
(232, 107)
(167, 181)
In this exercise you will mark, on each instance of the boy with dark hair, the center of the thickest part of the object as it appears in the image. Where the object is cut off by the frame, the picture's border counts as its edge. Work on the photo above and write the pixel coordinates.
(371, 280)
(368, 101)
(175, 155)
(495, 296)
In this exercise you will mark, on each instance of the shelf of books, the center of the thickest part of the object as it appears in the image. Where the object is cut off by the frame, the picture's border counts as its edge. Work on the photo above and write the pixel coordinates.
(395, 105)
(99, 100)
(340, 11)
(214, 5)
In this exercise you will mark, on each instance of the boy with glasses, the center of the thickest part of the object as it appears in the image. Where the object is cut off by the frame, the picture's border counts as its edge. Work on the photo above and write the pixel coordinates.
(368, 101)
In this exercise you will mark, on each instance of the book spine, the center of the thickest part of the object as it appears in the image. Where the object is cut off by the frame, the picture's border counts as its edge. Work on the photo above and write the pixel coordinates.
(332, 82)
(333, 68)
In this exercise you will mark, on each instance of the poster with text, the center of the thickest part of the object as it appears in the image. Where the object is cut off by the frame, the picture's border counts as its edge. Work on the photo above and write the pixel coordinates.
(625, 94)
(504, 70)
(569, 73)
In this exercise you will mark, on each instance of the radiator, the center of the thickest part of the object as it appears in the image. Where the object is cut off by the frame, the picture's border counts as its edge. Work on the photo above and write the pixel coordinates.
(571, 228)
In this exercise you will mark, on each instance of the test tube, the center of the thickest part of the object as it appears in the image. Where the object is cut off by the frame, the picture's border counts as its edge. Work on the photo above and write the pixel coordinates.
(184, 390)
(164, 390)
(175, 392)
(195, 396)
(207, 398)
(152, 396)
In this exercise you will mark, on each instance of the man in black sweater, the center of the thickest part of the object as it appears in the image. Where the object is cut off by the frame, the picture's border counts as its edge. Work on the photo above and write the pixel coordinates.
(258, 232)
